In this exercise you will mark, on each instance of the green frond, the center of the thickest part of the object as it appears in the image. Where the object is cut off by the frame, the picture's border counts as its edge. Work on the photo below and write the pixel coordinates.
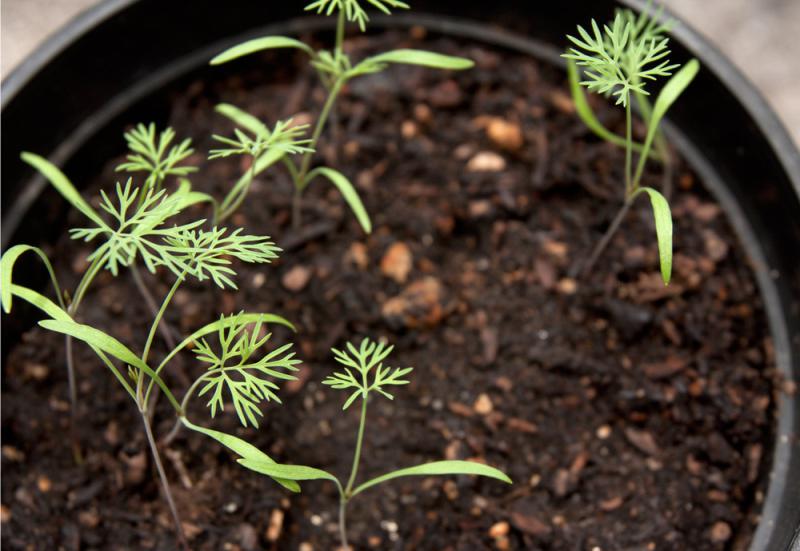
(333, 64)
(207, 254)
(139, 222)
(367, 358)
(283, 137)
(352, 9)
(186, 250)
(619, 58)
(234, 372)
(155, 155)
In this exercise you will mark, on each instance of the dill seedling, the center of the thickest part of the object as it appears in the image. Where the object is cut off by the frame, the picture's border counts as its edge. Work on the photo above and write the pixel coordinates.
(159, 158)
(363, 376)
(619, 61)
(334, 68)
(136, 229)
(156, 157)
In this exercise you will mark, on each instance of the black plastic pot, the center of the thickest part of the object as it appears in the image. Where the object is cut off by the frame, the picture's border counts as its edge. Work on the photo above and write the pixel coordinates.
(71, 98)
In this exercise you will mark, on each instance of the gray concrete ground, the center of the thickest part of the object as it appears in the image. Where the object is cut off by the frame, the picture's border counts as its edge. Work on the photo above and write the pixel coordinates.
(761, 36)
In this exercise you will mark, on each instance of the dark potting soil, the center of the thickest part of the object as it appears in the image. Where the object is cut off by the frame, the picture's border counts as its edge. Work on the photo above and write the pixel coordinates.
(630, 415)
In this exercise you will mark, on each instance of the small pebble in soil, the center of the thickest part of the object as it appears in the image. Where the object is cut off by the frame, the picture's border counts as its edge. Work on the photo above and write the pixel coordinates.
(486, 161)
(409, 129)
(230, 507)
(191, 530)
(603, 432)
(44, 484)
(35, 371)
(720, 532)
(296, 279)
(89, 518)
(450, 490)
(562, 101)
(258, 280)
(357, 255)
(397, 262)
(499, 529)
(503, 133)
(423, 113)
(567, 286)
(275, 526)
(419, 305)
(483, 405)
(12, 454)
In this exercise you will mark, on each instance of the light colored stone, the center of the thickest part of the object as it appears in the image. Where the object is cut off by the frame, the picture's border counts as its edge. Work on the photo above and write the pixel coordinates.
(397, 262)
(296, 279)
(486, 161)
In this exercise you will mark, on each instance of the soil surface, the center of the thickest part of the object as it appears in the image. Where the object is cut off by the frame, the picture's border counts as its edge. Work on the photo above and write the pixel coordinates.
(630, 415)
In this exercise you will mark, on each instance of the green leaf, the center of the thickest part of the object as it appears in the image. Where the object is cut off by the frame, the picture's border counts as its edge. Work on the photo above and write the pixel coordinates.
(352, 9)
(63, 185)
(586, 114)
(185, 197)
(423, 58)
(242, 118)
(242, 186)
(151, 153)
(671, 92)
(259, 44)
(237, 319)
(663, 218)
(348, 191)
(243, 448)
(224, 323)
(108, 344)
(438, 468)
(41, 302)
(289, 472)
(7, 269)
(232, 367)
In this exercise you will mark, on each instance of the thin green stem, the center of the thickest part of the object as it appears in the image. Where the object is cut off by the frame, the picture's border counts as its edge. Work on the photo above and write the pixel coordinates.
(323, 118)
(77, 454)
(662, 153)
(343, 522)
(80, 291)
(185, 402)
(151, 335)
(83, 285)
(164, 482)
(229, 206)
(357, 455)
(300, 177)
(628, 150)
(163, 327)
(340, 24)
(600, 247)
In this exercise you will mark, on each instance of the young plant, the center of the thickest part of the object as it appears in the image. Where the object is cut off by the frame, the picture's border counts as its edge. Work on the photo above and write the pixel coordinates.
(363, 376)
(335, 69)
(619, 60)
(159, 159)
(137, 229)
(156, 156)
(265, 147)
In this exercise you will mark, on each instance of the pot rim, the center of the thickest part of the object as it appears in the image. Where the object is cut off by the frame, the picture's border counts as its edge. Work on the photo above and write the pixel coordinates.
(750, 99)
